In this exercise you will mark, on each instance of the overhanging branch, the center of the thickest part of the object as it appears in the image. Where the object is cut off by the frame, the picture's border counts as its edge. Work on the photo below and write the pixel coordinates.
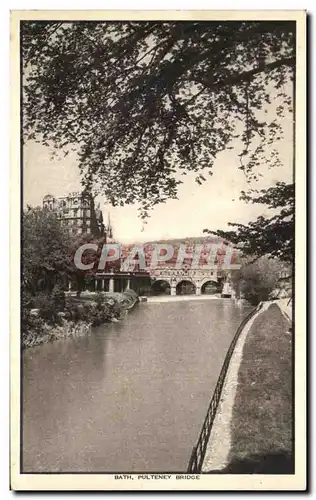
(237, 78)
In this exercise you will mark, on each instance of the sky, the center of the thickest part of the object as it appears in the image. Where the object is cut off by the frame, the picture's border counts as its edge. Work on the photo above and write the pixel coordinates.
(211, 205)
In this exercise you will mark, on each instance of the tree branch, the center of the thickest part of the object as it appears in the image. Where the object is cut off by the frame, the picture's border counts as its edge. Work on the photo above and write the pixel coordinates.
(237, 78)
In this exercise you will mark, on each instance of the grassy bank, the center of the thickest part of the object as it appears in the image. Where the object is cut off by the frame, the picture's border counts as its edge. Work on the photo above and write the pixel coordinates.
(47, 332)
(261, 427)
(45, 319)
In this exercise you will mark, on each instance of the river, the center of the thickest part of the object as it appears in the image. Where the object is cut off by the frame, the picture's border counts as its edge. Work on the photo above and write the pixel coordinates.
(130, 396)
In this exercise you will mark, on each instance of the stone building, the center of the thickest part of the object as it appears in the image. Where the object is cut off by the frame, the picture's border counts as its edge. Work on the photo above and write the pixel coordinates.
(78, 212)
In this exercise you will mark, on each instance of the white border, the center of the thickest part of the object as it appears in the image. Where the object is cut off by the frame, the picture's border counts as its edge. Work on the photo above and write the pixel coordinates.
(231, 482)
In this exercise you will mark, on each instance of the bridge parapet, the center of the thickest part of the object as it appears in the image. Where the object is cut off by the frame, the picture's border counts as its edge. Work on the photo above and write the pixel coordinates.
(198, 277)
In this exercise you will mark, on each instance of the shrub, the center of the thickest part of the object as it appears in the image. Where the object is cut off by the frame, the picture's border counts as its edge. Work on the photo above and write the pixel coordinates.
(99, 299)
(94, 312)
(58, 298)
(129, 297)
(51, 324)
(258, 280)
(27, 299)
(33, 329)
(131, 293)
(74, 311)
(46, 305)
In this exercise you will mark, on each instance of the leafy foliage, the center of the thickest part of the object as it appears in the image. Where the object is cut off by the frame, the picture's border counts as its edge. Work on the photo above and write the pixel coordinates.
(130, 297)
(94, 312)
(45, 250)
(48, 254)
(47, 324)
(58, 298)
(257, 280)
(145, 102)
(273, 236)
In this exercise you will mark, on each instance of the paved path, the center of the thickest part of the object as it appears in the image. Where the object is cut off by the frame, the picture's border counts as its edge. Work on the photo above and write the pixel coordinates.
(217, 451)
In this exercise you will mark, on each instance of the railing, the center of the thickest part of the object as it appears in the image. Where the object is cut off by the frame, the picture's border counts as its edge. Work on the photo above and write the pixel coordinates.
(199, 450)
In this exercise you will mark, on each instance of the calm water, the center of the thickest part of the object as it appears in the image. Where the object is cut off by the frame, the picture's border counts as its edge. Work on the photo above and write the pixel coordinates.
(131, 396)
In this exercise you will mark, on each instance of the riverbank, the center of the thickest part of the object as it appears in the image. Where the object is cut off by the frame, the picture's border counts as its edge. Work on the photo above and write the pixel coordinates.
(50, 333)
(76, 318)
(252, 430)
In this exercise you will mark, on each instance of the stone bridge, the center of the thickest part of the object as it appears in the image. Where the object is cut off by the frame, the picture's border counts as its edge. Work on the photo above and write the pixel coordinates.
(198, 277)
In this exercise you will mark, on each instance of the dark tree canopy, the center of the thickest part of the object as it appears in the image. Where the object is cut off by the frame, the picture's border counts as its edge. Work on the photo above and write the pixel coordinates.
(48, 252)
(273, 236)
(45, 250)
(142, 102)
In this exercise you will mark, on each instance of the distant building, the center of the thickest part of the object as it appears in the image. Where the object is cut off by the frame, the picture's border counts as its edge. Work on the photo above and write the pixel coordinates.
(109, 229)
(77, 211)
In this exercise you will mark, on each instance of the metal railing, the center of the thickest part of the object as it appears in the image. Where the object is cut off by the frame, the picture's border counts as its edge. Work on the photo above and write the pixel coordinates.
(199, 450)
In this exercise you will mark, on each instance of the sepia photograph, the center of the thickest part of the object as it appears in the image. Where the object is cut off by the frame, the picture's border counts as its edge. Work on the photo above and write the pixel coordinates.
(158, 339)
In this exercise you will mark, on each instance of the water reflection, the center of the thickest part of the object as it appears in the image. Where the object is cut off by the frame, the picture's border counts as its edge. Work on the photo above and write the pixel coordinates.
(130, 396)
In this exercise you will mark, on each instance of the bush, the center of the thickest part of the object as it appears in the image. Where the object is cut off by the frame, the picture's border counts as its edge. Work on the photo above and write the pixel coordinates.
(74, 311)
(129, 298)
(77, 316)
(39, 331)
(58, 298)
(131, 293)
(94, 312)
(27, 300)
(33, 328)
(99, 300)
(46, 305)
(257, 281)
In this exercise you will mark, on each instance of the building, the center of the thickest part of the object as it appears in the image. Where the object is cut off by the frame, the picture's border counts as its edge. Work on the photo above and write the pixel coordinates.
(78, 212)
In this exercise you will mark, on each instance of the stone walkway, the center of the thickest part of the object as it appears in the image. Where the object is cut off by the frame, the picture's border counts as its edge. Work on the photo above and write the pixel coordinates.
(218, 448)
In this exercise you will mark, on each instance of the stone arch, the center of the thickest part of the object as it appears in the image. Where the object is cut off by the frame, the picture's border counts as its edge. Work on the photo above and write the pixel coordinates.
(210, 286)
(161, 286)
(185, 286)
(212, 276)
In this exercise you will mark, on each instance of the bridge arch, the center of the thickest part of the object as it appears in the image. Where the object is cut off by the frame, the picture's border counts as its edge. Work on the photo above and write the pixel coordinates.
(185, 286)
(210, 286)
(161, 286)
